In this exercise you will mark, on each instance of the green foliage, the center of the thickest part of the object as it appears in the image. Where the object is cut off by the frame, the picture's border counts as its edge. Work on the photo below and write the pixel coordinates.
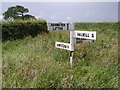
(17, 12)
(20, 29)
(37, 63)
(27, 17)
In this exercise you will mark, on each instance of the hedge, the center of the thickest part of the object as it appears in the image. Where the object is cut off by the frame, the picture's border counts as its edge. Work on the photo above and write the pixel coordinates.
(18, 29)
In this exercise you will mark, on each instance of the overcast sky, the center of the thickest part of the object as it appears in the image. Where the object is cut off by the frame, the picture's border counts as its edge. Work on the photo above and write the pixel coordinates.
(70, 11)
(60, 0)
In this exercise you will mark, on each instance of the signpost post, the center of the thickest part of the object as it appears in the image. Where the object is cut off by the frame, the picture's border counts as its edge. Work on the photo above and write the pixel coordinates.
(75, 37)
(72, 46)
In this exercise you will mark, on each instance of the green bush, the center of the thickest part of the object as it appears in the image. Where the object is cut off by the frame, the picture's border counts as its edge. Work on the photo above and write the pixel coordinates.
(19, 29)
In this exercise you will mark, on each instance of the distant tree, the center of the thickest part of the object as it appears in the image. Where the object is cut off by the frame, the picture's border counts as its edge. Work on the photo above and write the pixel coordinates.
(27, 16)
(17, 12)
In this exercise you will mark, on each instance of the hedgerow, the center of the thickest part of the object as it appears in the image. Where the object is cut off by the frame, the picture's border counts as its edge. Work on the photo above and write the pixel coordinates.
(18, 29)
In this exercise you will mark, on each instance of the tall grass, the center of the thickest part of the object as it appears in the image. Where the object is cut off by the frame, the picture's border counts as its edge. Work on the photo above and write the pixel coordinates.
(37, 63)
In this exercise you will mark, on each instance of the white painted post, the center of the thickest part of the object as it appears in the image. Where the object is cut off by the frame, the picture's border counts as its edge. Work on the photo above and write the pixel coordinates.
(72, 44)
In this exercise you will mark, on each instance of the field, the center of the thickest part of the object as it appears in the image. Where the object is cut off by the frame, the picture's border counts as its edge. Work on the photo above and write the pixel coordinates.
(37, 63)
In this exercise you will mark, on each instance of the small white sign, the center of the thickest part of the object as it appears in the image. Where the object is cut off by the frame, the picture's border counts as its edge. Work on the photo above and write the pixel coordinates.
(62, 45)
(79, 40)
(60, 26)
(85, 34)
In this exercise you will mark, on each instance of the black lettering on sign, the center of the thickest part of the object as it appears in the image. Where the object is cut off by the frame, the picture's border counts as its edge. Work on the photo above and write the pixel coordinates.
(53, 24)
(92, 35)
(54, 28)
(57, 24)
(68, 47)
(67, 26)
(83, 34)
(88, 35)
(57, 28)
(78, 41)
(78, 34)
(63, 46)
(58, 45)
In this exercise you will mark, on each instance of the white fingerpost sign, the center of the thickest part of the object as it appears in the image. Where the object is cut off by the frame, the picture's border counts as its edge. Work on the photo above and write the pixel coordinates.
(91, 35)
(60, 26)
(62, 45)
(75, 37)
(81, 40)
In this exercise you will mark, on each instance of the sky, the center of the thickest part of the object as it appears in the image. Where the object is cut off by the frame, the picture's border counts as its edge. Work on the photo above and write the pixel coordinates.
(119, 12)
(60, 0)
(94, 11)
